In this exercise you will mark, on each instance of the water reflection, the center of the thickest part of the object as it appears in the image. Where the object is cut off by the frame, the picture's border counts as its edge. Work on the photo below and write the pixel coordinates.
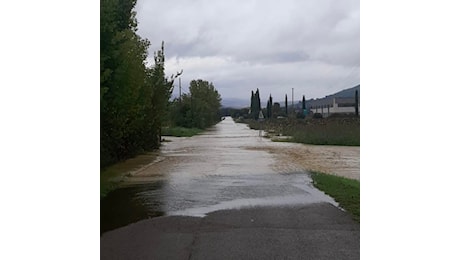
(128, 205)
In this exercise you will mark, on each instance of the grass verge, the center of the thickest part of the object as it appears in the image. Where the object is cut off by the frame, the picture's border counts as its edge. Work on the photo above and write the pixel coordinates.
(346, 136)
(112, 176)
(180, 131)
(326, 131)
(344, 191)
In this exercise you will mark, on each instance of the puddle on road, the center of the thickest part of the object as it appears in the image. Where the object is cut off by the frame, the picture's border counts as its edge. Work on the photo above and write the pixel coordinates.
(126, 205)
(212, 171)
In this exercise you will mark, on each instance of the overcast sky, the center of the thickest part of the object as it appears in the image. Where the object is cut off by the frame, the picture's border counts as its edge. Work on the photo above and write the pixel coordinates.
(309, 45)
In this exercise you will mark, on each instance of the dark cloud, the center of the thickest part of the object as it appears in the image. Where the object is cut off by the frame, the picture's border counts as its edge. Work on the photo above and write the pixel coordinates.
(312, 46)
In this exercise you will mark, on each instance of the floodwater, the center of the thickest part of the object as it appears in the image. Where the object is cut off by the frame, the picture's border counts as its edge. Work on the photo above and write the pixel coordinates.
(223, 168)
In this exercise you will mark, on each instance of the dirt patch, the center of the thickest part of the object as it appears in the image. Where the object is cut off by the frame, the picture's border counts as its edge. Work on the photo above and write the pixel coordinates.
(336, 160)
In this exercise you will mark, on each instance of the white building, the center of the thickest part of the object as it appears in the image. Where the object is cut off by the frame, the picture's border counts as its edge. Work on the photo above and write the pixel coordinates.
(329, 106)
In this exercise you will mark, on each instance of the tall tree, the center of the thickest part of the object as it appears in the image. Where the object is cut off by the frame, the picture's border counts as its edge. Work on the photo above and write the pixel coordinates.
(268, 109)
(286, 105)
(122, 70)
(303, 103)
(252, 108)
(205, 103)
(255, 105)
(304, 108)
(162, 88)
(133, 98)
(270, 99)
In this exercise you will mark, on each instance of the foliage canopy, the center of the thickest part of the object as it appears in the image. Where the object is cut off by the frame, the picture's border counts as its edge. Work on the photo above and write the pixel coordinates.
(134, 98)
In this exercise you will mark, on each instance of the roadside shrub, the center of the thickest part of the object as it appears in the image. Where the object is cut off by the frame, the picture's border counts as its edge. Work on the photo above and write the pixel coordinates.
(317, 115)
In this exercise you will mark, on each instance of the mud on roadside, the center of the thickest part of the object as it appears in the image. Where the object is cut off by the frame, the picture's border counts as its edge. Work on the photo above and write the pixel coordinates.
(336, 160)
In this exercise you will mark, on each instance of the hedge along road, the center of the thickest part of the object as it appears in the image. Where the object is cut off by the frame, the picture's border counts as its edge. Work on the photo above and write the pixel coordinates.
(221, 194)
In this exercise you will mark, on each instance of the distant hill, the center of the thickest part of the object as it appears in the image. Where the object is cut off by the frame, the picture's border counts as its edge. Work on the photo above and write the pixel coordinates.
(235, 102)
(346, 93)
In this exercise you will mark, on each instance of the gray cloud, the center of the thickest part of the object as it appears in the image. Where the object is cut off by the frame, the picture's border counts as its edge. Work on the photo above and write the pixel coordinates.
(312, 46)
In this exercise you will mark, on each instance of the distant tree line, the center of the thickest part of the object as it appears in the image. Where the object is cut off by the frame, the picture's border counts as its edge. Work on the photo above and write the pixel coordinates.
(273, 110)
(134, 97)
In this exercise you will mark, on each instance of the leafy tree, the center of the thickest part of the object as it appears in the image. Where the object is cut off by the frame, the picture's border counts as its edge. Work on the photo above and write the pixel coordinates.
(200, 108)
(206, 102)
(133, 98)
(162, 88)
(122, 80)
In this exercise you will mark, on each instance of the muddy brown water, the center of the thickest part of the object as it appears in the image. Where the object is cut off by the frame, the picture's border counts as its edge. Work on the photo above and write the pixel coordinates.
(226, 167)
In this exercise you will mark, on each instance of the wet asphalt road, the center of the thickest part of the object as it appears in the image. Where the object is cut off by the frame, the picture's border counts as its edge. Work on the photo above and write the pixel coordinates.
(315, 231)
(219, 198)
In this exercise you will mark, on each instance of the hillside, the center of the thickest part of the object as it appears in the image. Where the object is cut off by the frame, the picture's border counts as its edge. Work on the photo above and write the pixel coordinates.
(235, 102)
(346, 93)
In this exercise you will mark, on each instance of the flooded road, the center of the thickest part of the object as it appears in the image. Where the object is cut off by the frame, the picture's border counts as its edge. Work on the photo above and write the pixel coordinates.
(227, 167)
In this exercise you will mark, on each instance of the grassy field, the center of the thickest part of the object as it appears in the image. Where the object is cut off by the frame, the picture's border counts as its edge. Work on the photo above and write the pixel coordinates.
(324, 131)
(344, 191)
(180, 131)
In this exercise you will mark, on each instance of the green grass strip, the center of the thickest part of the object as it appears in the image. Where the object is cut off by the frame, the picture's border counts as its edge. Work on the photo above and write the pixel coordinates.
(345, 191)
(180, 131)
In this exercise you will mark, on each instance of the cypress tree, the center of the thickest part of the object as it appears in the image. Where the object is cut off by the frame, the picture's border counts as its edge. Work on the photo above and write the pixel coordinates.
(257, 105)
(271, 105)
(251, 110)
(268, 109)
(286, 104)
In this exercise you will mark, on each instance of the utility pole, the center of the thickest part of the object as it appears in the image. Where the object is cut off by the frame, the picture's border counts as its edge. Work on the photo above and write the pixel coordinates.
(292, 101)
